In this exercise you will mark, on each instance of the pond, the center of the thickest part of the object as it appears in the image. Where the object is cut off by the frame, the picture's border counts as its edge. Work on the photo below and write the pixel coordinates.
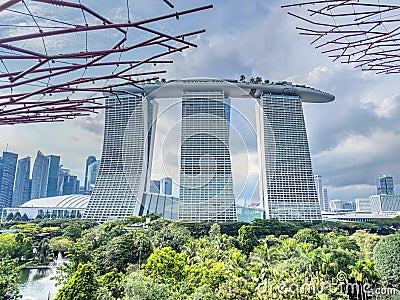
(36, 284)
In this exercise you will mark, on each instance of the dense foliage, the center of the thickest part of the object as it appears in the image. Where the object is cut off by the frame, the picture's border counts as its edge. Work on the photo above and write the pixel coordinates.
(265, 259)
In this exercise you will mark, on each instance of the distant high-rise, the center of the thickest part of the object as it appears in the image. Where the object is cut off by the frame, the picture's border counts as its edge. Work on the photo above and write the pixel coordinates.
(92, 172)
(384, 185)
(54, 165)
(318, 187)
(60, 181)
(70, 185)
(8, 165)
(325, 199)
(40, 176)
(91, 159)
(22, 191)
(166, 186)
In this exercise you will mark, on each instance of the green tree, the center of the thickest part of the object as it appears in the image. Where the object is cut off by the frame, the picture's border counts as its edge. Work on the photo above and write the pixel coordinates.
(73, 231)
(130, 248)
(140, 287)
(28, 229)
(43, 251)
(24, 247)
(83, 285)
(309, 236)
(8, 245)
(8, 279)
(247, 239)
(363, 272)
(366, 242)
(60, 244)
(111, 285)
(172, 235)
(387, 260)
(166, 266)
(242, 78)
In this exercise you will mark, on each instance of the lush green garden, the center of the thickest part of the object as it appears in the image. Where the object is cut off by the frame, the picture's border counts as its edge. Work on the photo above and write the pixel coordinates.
(266, 259)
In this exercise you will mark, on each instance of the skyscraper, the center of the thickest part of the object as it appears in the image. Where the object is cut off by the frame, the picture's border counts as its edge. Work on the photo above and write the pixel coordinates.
(206, 186)
(60, 180)
(8, 164)
(52, 179)
(91, 159)
(384, 185)
(22, 191)
(287, 184)
(325, 199)
(40, 175)
(318, 187)
(125, 165)
(287, 181)
(70, 185)
(92, 173)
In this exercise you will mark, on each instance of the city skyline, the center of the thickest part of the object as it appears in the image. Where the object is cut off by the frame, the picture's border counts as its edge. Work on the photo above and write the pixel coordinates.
(352, 140)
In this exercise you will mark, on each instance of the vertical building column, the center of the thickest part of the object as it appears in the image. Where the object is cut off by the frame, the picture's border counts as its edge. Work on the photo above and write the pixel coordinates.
(126, 158)
(206, 187)
(287, 185)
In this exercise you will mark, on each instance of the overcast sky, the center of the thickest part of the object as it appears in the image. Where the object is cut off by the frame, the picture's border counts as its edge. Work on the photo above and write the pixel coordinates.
(352, 140)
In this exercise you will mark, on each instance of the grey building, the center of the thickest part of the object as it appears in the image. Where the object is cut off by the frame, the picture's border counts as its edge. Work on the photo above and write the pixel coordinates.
(52, 177)
(8, 165)
(384, 185)
(91, 159)
(22, 186)
(92, 173)
(40, 174)
(70, 185)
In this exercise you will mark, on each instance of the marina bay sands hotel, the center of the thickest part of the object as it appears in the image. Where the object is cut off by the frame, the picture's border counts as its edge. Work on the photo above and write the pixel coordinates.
(286, 181)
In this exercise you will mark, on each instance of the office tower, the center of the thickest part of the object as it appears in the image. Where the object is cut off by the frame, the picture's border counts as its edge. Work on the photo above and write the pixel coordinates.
(166, 186)
(91, 159)
(52, 177)
(287, 183)
(8, 165)
(206, 186)
(318, 187)
(40, 174)
(60, 180)
(70, 185)
(325, 199)
(22, 191)
(93, 171)
(384, 185)
(125, 165)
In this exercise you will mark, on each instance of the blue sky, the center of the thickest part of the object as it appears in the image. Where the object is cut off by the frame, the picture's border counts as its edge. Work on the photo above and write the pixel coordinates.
(352, 140)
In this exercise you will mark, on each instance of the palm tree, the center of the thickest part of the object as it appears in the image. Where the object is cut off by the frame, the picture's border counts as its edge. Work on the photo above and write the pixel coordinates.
(364, 272)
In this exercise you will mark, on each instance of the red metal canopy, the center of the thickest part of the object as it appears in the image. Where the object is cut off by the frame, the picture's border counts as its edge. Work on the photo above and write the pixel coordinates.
(361, 32)
(57, 58)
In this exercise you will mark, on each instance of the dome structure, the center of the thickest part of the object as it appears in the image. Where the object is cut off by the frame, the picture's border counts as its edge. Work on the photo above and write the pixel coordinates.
(71, 206)
(59, 202)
